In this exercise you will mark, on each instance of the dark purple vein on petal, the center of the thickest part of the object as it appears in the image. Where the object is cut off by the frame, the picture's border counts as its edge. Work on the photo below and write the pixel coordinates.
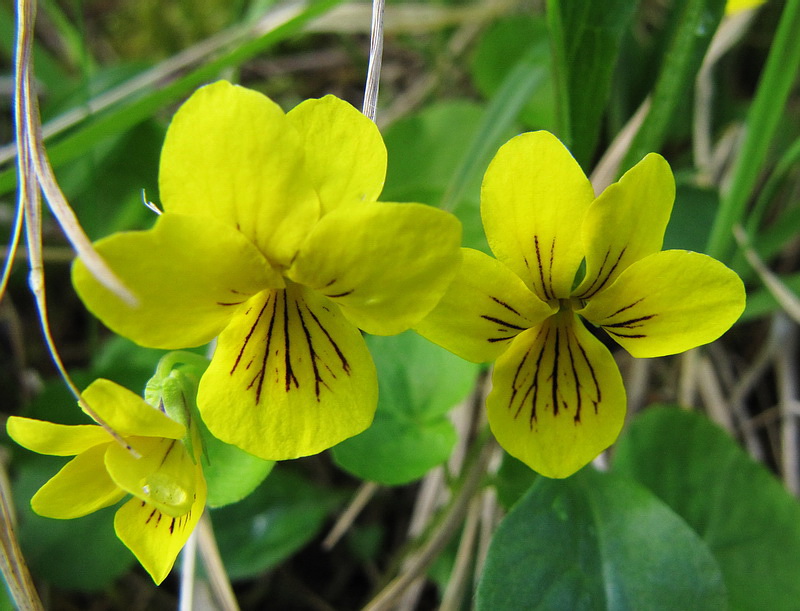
(250, 333)
(595, 288)
(541, 267)
(334, 345)
(289, 376)
(313, 354)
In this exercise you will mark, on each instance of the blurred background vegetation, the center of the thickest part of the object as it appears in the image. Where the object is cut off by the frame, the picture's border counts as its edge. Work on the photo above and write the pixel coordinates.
(459, 78)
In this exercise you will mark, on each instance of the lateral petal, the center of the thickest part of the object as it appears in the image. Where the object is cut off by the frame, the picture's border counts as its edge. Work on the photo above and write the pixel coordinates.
(290, 377)
(188, 273)
(385, 265)
(345, 154)
(127, 413)
(533, 199)
(626, 223)
(230, 153)
(79, 488)
(156, 538)
(557, 397)
(55, 439)
(163, 475)
(668, 302)
(484, 308)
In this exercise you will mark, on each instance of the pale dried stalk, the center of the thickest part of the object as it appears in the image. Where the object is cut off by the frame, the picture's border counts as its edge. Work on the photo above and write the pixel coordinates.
(465, 558)
(33, 173)
(362, 496)
(782, 294)
(713, 395)
(375, 60)
(789, 404)
(17, 577)
(728, 34)
(217, 576)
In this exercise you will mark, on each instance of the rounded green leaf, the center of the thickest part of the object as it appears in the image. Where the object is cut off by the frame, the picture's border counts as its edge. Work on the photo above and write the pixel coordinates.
(595, 541)
(746, 517)
(419, 383)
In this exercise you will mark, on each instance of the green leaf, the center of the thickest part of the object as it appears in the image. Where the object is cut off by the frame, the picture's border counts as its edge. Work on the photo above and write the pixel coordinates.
(512, 480)
(691, 218)
(280, 517)
(419, 383)
(586, 36)
(597, 541)
(749, 521)
(503, 44)
(231, 473)
(425, 150)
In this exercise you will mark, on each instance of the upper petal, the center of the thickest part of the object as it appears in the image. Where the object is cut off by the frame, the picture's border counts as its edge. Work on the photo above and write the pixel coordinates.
(557, 397)
(79, 488)
(290, 377)
(163, 474)
(668, 302)
(626, 222)
(231, 153)
(127, 413)
(55, 439)
(156, 538)
(533, 198)
(484, 308)
(345, 154)
(188, 273)
(386, 265)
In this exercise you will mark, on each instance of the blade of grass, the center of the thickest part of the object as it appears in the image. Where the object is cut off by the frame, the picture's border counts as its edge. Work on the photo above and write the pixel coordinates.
(696, 25)
(763, 118)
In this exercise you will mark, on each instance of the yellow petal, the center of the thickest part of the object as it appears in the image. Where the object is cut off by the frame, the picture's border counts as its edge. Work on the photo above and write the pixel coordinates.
(484, 308)
(386, 265)
(533, 198)
(55, 439)
(127, 413)
(188, 273)
(345, 154)
(231, 153)
(79, 488)
(668, 302)
(626, 223)
(156, 538)
(163, 475)
(557, 397)
(290, 377)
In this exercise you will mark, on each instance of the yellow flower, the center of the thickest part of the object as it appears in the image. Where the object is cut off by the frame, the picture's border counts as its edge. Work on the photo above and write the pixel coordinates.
(734, 6)
(166, 482)
(272, 238)
(557, 399)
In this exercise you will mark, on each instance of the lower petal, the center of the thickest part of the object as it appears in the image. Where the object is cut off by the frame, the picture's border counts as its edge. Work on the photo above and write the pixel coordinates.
(290, 377)
(668, 302)
(156, 538)
(79, 488)
(163, 474)
(557, 397)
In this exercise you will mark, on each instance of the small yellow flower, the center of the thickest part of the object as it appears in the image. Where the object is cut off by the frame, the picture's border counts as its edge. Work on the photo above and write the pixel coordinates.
(557, 399)
(272, 238)
(166, 482)
(734, 6)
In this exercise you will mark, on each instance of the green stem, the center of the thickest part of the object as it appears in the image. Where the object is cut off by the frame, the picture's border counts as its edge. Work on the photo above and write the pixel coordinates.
(762, 122)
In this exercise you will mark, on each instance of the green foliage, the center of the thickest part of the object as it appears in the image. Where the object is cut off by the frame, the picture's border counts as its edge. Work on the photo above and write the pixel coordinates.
(749, 521)
(586, 39)
(80, 554)
(597, 541)
(281, 516)
(419, 383)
